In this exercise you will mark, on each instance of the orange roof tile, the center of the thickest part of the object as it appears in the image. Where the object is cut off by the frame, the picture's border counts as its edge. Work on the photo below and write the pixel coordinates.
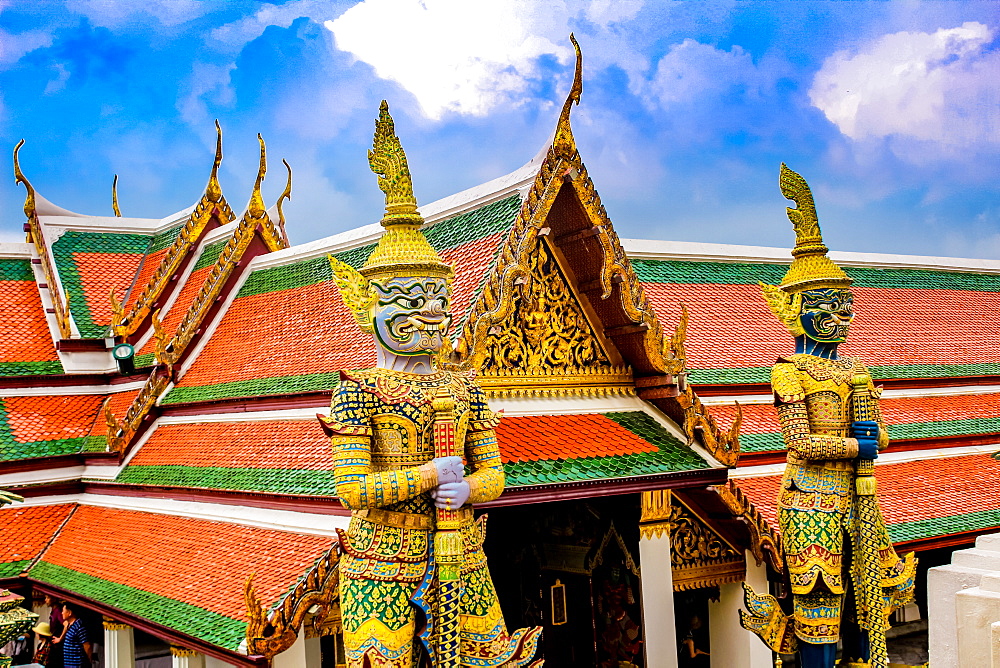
(200, 562)
(26, 530)
(537, 437)
(277, 444)
(912, 491)
(146, 270)
(24, 332)
(99, 274)
(172, 318)
(763, 419)
(49, 418)
(927, 326)
(297, 331)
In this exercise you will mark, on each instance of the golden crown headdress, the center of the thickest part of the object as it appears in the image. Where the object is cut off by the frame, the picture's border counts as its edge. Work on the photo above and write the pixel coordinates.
(810, 268)
(403, 249)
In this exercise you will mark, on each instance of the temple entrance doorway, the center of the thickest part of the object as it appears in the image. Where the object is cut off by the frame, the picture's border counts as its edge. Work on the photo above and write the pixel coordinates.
(570, 567)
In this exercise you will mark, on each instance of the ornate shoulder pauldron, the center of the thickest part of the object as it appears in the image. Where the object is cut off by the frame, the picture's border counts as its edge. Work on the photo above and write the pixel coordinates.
(840, 371)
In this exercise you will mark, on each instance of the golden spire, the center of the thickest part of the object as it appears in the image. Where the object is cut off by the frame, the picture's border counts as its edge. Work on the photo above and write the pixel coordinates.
(286, 194)
(256, 206)
(214, 190)
(388, 160)
(29, 198)
(810, 268)
(403, 250)
(114, 197)
(563, 143)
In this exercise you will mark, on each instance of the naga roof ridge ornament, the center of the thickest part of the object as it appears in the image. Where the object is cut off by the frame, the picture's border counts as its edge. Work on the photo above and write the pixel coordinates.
(285, 194)
(114, 197)
(810, 267)
(19, 177)
(214, 190)
(256, 206)
(563, 143)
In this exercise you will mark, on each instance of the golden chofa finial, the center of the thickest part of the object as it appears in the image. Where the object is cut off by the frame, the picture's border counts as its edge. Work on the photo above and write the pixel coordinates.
(29, 198)
(114, 197)
(256, 207)
(286, 194)
(564, 143)
(214, 190)
(388, 160)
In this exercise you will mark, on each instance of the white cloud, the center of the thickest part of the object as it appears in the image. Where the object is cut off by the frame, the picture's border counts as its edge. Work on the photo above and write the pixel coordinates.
(604, 12)
(691, 71)
(236, 34)
(937, 87)
(207, 80)
(464, 56)
(14, 46)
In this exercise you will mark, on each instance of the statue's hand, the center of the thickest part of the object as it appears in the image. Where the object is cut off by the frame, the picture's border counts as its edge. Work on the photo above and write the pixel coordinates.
(449, 469)
(452, 495)
(866, 432)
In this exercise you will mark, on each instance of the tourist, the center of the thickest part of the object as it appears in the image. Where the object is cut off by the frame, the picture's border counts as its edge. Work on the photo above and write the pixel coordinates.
(75, 645)
(44, 632)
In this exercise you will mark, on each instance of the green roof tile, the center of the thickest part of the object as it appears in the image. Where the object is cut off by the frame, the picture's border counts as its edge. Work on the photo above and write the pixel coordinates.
(944, 526)
(13, 269)
(315, 382)
(31, 368)
(184, 617)
(735, 273)
(762, 374)
(276, 481)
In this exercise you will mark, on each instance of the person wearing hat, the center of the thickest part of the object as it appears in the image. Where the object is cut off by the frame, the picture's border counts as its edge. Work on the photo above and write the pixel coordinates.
(44, 633)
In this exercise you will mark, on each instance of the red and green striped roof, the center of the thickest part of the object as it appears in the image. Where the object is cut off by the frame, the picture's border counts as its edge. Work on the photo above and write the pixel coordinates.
(90, 265)
(908, 418)
(921, 499)
(24, 533)
(911, 323)
(45, 426)
(288, 332)
(189, 579)
(26, 346)
(293, 457)
(207, 258)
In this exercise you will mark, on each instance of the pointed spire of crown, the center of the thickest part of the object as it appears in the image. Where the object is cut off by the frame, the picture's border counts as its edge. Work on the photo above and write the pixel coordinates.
(810, 268)
(403, 250)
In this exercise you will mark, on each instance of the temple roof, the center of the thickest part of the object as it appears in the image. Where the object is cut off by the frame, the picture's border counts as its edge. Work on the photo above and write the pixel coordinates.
(26, 345)
(295, 311)
(925, 498)
(190, 579)
(912, 320)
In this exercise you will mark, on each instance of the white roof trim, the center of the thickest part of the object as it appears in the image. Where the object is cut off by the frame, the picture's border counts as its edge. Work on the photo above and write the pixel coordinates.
(689, 251)
(16, 250)
(900, 457)
(287, 521)
(518, 181)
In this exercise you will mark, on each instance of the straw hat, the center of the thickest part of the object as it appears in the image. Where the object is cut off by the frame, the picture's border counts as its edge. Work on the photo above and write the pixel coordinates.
(43, 629)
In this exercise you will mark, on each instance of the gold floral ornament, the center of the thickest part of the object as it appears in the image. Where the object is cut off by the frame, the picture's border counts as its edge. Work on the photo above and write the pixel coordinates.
(403, 250)
(811, 268)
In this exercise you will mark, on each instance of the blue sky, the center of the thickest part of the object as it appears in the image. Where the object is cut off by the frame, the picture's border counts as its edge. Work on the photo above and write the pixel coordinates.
(891, 110)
